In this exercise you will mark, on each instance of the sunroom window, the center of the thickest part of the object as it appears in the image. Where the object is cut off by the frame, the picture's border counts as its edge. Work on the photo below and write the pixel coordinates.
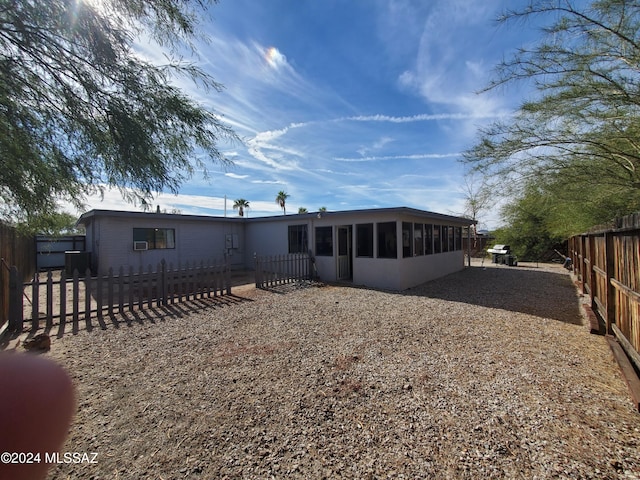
(387, 240)
(364, 240)
(298, 242)
(324, 241)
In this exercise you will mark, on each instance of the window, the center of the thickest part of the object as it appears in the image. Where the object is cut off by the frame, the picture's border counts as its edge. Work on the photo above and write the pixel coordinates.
(458, 238)
(452, 244)
(418, 245)
(428, 239)
(387, 240)
(156, 238)
(324, 241)
(407, 243)
(364, 240)
(437, 246)
(298, 242)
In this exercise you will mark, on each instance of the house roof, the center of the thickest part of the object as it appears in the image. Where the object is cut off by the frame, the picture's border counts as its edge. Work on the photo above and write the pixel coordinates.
(370, 212)
(91, 214)
(86, 217)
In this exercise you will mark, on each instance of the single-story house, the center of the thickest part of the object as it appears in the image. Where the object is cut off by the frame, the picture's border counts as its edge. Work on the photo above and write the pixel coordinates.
(389, 248)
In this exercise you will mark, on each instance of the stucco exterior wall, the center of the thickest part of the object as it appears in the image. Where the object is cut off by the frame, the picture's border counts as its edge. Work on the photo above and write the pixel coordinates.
(110, 239)
(269, 237)
(198, 238)
(383, 273)
(402, 273)
(417, 270)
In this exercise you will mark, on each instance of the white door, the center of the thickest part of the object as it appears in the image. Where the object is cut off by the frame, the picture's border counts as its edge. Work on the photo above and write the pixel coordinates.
(344, 253)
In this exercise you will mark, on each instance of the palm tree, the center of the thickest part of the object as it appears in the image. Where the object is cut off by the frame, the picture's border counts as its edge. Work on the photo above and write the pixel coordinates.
(281, 200)
(240, 204)
(322, 209)
(302, 210)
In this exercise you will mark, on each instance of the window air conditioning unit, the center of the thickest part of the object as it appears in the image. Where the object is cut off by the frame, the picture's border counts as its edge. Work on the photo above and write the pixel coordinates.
(138, 246)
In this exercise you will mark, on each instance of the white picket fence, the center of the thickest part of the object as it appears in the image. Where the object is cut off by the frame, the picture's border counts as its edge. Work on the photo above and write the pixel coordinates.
(276, 270)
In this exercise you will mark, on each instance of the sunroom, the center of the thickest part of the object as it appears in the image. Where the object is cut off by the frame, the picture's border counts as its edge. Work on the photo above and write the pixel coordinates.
(390, 248)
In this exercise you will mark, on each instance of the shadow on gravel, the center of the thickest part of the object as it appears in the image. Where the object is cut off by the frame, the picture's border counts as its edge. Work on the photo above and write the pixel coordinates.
(526, 290)
(128, 318)
(157, 314)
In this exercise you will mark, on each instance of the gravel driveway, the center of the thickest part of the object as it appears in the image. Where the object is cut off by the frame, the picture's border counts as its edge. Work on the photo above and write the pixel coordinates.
(487, 373)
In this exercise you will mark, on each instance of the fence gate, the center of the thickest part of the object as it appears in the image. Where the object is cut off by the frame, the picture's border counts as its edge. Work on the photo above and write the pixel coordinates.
(50, 251)
(281, 269)
(15, 249)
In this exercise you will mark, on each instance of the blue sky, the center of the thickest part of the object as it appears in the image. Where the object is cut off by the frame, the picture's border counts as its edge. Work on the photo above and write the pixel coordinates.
(347, 104)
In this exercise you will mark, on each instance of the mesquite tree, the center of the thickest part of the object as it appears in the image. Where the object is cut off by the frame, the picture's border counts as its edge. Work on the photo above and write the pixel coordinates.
(580, 130)
(81, 109)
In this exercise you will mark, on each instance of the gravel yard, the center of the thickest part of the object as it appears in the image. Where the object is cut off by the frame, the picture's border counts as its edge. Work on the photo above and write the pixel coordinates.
(487, 373)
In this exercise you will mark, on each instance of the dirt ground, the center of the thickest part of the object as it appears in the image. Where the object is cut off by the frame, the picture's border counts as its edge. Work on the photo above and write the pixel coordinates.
(488, 373)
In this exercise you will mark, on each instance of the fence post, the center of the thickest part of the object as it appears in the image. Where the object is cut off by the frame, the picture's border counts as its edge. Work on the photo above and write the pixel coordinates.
(178, 288)
(227, 273)
(171, 289)
(140, 288)
(583, 263)
(256, 264)
(15, 301)
(131, 287)
(610, 289)
(35, 302)
(191, 281)
(159, 284)
(99, 293)
(121, 289)
(63, 299)
(163, 282)
(593, 279)
(75, 298)
(150, 286)
(110, 290)
(208, 276)
(87, 298)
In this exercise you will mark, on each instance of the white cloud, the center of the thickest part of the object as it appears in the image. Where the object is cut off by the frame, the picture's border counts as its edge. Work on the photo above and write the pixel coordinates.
(382, 142)
(411, 156)
(263, 148)
(268, 182)
(264, 137)
(449, 64)
(376, 145)
(275, 58)
(418, 118)
(251, 71)
(113, 200)
(335, 172)
(187, 204)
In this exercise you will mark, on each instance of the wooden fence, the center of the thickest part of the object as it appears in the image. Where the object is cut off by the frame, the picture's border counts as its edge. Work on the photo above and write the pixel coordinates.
(607, 263)
(282, 269)
(15, 249)
(56, 297)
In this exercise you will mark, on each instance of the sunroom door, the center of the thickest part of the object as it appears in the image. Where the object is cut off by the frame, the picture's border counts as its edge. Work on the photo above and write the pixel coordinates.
(344, 253)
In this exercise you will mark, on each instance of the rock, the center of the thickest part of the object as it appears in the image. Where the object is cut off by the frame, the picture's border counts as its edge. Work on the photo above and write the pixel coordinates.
(40, 342)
